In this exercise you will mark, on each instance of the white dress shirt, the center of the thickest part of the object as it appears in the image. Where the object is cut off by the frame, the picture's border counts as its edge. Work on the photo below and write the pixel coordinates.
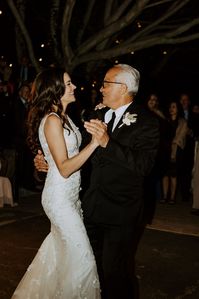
(118, 113)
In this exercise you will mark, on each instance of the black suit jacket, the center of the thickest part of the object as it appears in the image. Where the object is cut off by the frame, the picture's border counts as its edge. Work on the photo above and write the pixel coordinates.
(115, 193)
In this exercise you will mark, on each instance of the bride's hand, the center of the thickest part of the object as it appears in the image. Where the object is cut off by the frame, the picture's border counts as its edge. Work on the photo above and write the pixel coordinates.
(40, 163)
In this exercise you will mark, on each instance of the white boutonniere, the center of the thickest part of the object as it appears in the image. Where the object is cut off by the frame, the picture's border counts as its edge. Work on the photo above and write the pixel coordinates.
(128, 119)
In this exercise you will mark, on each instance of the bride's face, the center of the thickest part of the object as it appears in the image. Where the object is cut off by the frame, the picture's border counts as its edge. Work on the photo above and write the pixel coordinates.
(68, 96)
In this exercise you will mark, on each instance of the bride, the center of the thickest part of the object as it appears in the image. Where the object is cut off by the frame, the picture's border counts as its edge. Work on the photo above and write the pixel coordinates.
(64, 266)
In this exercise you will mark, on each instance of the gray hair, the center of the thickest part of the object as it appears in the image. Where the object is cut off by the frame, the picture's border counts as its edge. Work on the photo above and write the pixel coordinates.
(130, 76)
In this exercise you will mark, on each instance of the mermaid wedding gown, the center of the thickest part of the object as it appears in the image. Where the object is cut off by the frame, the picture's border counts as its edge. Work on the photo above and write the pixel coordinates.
(64, 267)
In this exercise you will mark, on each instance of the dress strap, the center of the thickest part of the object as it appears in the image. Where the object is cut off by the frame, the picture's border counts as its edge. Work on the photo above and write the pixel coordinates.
(46, 116)
(51, 113)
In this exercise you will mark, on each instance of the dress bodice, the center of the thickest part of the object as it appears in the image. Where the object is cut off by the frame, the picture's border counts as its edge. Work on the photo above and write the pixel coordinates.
(72, 138)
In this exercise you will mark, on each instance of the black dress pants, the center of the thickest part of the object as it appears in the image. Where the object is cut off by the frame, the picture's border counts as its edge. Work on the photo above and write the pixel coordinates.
(114, 249)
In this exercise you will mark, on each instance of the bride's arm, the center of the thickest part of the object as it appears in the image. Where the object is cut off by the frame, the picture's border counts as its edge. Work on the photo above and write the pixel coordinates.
(54, 134)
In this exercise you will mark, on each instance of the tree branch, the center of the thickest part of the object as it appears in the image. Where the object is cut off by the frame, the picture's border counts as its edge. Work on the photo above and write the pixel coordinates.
(108, 10)
(119, 11)
(113, 28)
(85, 21)
(183, 28)
(140, 45)
(112, 19)
(24, 33)
(171, 11)
(67, 50)
(21, 47)
(53, 26)
(158, 3)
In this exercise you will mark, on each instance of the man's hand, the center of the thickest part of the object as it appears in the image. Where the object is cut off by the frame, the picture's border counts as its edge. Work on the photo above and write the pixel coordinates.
(99, 130)
(99, 106)
(40, 163)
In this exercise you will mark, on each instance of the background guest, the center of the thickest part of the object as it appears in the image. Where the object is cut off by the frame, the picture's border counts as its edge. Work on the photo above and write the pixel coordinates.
(153, 182)
(195, 180)
(175, 139)
(24, 164)
(185, 173)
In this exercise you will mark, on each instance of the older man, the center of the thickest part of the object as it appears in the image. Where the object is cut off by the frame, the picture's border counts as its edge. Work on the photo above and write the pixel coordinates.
(113, 203)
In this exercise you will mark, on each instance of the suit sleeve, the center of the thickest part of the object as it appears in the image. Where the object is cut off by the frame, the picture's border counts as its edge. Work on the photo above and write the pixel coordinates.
(139, 155)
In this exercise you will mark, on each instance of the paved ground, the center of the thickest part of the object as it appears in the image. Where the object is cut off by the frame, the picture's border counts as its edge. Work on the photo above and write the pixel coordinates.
(167, 258)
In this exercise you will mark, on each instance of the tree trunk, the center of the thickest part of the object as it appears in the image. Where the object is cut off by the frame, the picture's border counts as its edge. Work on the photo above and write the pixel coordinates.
(21, 47)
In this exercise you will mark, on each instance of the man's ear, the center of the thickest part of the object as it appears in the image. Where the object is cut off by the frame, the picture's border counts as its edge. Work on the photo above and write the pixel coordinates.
(123, 88)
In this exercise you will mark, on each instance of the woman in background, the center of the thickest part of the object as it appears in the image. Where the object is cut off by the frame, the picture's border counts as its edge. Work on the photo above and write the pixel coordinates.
(175, 139)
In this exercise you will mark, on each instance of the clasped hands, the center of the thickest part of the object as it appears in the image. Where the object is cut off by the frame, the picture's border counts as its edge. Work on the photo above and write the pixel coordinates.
(98, 130)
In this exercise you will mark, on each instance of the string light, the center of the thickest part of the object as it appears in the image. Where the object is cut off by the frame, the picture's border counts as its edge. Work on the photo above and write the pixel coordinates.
(139, 25)
(1, 12)
(82, 88)
(117, 41)
(132, 52)
(40, 59)
(164, 52)
(42, 45)
(10, 65)
(116, 61)
(94, 83)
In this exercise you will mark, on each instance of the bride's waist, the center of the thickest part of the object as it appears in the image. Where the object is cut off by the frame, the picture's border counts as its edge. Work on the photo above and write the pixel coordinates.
(55, 177)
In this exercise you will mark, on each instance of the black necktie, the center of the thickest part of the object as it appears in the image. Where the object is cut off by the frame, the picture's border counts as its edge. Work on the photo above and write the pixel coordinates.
(111, 122)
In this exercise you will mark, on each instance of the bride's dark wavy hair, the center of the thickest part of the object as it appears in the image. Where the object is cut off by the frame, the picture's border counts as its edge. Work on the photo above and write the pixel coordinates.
(47, 91)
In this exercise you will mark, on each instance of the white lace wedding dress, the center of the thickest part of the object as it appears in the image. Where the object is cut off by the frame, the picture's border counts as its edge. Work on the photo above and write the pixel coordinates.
(64, 266)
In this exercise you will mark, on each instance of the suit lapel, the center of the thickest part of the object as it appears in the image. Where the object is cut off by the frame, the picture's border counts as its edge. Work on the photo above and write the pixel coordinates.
(117, 129)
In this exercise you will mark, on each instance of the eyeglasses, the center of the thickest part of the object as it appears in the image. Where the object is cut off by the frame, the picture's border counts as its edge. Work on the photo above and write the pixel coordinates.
(112, 82)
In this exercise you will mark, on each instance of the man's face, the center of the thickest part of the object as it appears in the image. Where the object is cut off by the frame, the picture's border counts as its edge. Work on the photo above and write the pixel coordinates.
(112, 89)
(185, 102)
(25, 92)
